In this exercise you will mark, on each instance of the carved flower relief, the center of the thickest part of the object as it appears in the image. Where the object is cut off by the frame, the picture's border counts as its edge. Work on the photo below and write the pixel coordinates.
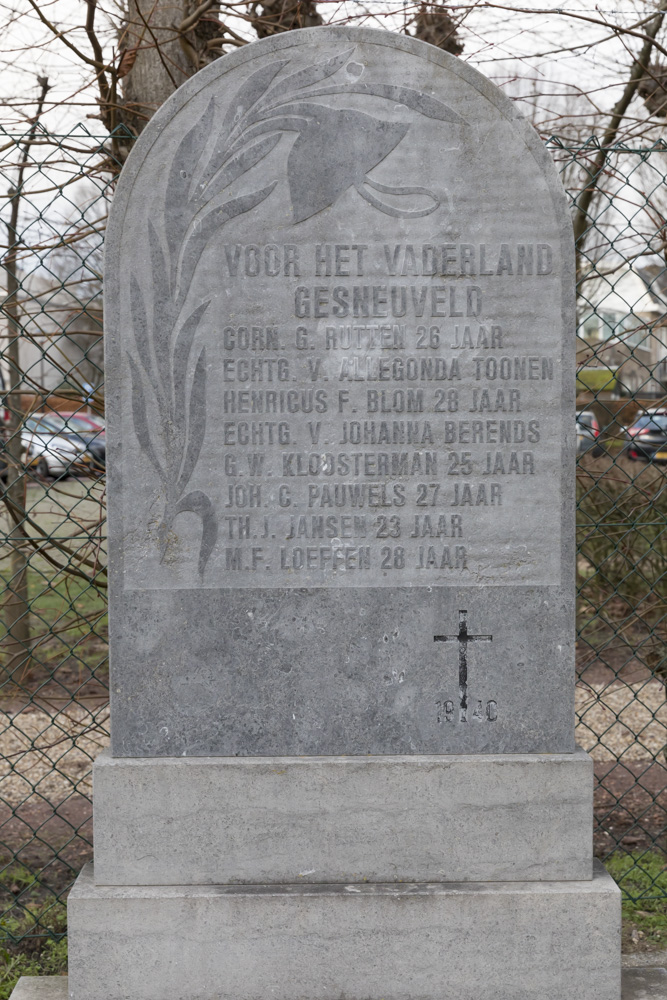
(334, 151)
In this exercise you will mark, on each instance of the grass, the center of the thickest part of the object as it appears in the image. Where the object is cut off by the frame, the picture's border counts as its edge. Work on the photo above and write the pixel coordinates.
(68, 631)
(25, 950)
(68, 625)
(73, 612)
(34, 912)
(642, 878)
(50, 961)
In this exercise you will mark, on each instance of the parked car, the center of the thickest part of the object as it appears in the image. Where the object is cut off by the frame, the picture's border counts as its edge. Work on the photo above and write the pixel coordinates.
(82, 421)
(648, 438)
(49, 454)
(78, 431)
(588, 432)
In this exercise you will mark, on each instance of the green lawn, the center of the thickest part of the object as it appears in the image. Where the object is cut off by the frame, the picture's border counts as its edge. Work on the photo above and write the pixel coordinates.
(67, 613)
(642, 878)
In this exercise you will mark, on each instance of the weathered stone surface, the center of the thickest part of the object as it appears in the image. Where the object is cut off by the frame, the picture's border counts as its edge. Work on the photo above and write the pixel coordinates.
(637, 984)
(644, 984)
(339, 324)
(163, 821)
(474, 941)
(41, 988)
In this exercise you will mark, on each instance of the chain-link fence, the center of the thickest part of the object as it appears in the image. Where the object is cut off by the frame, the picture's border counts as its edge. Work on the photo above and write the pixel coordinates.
(53, 673)
(622, 500)
(53, 646)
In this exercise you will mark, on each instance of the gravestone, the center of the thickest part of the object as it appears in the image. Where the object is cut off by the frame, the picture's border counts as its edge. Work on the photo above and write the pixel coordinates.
(340, 364)
(339, 324)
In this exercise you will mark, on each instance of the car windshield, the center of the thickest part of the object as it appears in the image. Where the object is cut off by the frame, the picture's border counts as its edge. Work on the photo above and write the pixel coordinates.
(39, 425)
(74, 424)
(654, 422)
(586, 419)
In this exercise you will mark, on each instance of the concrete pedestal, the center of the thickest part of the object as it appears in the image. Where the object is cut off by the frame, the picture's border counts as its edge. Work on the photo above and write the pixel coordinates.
(220, 820)
(636, 984)
(474, 941)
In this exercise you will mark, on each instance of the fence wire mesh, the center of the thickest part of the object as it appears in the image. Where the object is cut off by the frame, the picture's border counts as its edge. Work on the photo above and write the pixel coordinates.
(55, 194)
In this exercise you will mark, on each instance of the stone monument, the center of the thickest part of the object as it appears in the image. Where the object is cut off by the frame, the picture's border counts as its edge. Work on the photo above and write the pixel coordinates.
(340, 359)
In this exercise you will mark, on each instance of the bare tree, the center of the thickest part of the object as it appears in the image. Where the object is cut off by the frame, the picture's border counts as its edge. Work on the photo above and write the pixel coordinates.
(15, 605)
(434, 24)
(159, 50)
(638, 70)
(270, 17)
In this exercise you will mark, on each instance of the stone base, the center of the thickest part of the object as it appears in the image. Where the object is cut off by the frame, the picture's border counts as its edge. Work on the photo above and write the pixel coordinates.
(644, 984)
(637, 984)
(472, 941)
(228, 820)
(41, 988)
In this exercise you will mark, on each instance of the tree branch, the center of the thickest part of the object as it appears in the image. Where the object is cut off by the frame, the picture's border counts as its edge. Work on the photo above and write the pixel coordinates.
(192, 19)
(581, 220)
(64, 39)
(102, 81)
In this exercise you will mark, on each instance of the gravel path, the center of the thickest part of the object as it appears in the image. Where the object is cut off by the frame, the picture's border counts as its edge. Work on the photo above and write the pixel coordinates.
(52, 749)
(622, 720)
(48, 753)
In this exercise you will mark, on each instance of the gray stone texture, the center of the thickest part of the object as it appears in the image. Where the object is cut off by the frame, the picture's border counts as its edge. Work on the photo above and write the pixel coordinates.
(233, 274)
(42, 988)
(640, 984)
(218, 820)
(644, 984)
(474, 941)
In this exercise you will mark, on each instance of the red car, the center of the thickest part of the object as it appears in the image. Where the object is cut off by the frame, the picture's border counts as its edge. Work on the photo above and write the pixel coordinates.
(89, 423)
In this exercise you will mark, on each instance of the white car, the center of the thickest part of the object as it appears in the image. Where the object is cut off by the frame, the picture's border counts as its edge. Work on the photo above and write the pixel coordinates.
(51, 455)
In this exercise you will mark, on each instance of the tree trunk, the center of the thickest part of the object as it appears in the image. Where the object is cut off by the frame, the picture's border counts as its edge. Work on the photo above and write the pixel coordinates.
(271, 17)
(154, 61)
(434, 24)
(16, 607)
(164, 43)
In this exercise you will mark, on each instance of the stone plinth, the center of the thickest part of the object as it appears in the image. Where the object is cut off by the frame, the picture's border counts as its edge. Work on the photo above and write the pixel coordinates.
(474, 941)
(637, 984)
(644, 984)
(213, 820)
(42, 988)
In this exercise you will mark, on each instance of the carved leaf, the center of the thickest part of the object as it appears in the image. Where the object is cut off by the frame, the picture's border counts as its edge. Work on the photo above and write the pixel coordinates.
(239, 164)
(312, 74)
(162, 312)
(196, 422)
(139, 417)
(251, 91)
(183, 166)
(211, 222)
(140, 326)
(414, 99)
(423, 103)
(198, 503)
(269, 122)
(182, 350)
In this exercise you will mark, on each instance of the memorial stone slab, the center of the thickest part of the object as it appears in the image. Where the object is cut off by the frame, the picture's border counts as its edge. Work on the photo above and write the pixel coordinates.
(340, 323)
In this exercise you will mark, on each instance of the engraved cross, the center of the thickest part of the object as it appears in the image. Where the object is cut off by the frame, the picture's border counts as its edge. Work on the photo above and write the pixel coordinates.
(463, 638)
